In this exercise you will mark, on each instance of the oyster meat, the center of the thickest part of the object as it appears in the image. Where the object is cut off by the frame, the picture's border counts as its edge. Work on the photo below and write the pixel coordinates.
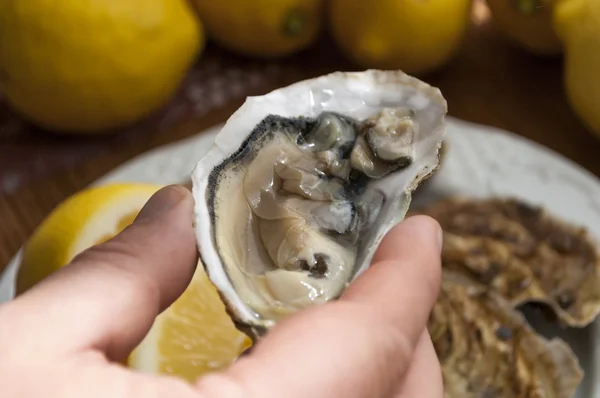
(487, 349)
(524, 253)
(302, 184)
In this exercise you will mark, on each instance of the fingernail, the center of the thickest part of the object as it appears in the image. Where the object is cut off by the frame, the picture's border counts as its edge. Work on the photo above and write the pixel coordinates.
(162, 201)
(440, 239)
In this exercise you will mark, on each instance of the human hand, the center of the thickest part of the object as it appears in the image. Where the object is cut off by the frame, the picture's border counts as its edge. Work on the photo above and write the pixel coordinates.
(66, 335)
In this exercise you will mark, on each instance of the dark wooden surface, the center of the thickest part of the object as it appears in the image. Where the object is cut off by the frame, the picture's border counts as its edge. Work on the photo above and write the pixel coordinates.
(489, 81)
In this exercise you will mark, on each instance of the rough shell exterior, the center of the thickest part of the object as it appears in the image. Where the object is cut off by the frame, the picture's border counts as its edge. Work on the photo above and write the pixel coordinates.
(524, 253)
(487, 349)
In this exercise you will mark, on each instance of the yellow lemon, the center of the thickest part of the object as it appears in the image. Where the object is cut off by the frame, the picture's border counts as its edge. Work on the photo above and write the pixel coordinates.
(416, 36)
(578, 24)
(88, 66)
(192, 337)
(528, 23)
(87, 218)
(266, 28)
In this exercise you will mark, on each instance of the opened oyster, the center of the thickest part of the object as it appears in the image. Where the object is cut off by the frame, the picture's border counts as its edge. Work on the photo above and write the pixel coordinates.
(524, 253)
(302, 184)
(487, 349)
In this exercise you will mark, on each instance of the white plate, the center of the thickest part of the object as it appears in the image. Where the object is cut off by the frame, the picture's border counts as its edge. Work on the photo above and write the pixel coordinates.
(481, 162)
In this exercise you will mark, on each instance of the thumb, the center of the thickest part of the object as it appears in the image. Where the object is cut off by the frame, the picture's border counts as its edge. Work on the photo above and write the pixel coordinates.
(108, 296)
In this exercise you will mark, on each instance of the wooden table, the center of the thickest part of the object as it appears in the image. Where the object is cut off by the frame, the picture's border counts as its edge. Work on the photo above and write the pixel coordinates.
(489, 82)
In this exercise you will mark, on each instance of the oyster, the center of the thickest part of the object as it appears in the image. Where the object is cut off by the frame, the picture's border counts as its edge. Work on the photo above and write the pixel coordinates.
(524, 253)
(302, 184)
(487, 349)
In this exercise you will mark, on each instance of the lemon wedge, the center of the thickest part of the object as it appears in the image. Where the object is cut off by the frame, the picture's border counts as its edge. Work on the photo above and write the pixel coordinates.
(85, 219)
(194, 336)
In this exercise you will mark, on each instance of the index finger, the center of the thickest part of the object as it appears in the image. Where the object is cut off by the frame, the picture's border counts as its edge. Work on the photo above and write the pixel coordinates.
(359, 346)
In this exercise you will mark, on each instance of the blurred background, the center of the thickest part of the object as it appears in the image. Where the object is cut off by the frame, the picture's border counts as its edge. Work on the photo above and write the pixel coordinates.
(86, 86)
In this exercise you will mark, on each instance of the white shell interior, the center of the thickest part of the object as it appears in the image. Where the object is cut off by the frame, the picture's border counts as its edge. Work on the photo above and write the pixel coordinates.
(355, 94)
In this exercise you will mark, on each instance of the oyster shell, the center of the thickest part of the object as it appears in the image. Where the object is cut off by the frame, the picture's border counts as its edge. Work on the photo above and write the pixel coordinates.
(302, 184)
(524, 253)
(487, 349)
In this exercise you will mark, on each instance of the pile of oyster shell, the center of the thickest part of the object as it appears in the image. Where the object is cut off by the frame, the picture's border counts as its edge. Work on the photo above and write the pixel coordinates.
(302, 184)
(500, 255)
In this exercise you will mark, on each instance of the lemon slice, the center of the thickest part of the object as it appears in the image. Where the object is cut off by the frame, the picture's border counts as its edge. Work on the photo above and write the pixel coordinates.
(85, 219)
(192, 337)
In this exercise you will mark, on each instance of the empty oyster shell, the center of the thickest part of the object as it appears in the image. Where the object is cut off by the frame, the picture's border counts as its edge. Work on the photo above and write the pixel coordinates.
(524, 253)
(487, 349)
(302, 184)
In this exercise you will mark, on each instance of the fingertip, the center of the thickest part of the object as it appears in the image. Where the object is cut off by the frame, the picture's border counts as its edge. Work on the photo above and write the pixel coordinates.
(422, 221)
(162, 236)
(424, 236)
(424, 225)
(424, 231)
(429, 224)
(165, 199)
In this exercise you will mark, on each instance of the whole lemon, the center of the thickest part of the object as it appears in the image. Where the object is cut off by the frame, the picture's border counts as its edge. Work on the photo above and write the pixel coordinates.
(89, 65)
(416, 36)
(528, 23)
(578, 24)
(262, 28)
